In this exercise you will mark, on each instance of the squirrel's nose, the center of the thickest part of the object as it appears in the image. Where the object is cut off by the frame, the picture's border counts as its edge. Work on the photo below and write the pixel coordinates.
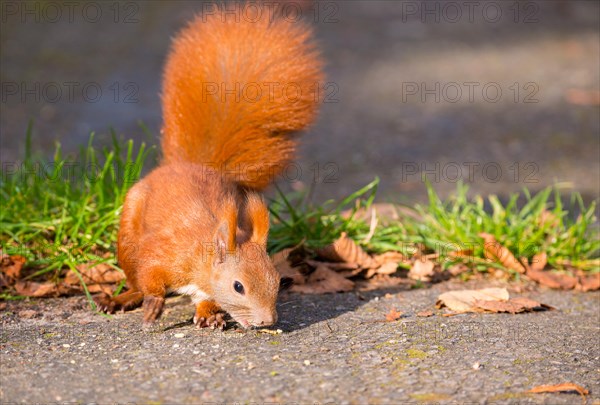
(267, 318)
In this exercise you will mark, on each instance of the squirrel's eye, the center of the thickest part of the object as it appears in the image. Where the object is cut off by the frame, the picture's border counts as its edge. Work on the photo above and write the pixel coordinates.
(238, 287)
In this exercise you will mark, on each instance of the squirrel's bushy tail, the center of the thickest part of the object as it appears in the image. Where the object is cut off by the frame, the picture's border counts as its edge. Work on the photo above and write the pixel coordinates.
(235, 90)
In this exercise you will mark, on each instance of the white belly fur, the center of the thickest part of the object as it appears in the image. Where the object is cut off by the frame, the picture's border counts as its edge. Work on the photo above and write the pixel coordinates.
(192, 290)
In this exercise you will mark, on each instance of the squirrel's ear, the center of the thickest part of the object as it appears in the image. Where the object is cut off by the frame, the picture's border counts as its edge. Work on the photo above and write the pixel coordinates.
(225, 236)
(258, 213)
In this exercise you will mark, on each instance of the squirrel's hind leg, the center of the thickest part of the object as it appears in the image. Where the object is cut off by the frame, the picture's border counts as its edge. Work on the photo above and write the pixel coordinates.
(126, 301)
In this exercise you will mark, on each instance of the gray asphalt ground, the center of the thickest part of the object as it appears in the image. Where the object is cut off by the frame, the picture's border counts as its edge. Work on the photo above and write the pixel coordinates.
(332, 349)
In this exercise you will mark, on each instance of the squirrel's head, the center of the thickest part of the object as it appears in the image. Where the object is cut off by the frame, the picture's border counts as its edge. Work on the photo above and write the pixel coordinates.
(244, 281)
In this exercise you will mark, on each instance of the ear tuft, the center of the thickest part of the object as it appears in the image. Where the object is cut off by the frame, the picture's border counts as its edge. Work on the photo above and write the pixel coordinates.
(225, 235)
(258, 216)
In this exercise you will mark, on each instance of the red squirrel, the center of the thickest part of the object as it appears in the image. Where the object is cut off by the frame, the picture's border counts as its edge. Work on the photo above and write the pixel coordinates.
(234, 93)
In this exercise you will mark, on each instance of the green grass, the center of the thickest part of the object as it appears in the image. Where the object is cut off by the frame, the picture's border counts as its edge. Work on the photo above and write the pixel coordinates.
(62, 213)
(540, 223)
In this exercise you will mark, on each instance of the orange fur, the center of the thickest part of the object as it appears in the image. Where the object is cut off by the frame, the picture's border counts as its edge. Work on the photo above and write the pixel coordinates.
(258, 220)
(275, 73)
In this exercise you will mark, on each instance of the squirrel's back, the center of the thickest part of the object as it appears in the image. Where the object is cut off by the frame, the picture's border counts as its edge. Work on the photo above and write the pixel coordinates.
(235, 89)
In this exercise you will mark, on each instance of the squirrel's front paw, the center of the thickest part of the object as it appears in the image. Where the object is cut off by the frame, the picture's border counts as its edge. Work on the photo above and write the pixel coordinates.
(209, 315)
(105, 303)
(215, 321)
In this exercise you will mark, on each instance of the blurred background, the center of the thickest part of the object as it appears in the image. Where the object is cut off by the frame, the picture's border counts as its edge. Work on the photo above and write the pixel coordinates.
(500, 94)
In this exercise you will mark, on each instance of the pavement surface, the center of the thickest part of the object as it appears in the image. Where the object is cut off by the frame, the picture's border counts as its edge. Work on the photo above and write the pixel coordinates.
(332, 349)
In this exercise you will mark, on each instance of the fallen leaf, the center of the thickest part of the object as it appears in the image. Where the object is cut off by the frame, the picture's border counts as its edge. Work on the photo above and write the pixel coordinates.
(322, 281)
(389, 257)
(280, 257)
(346, 270)
(495, 251)
(512, 306)
(530, 304)
(33, 289)
(421, 270)
(564, 387)
(538, 262)
(47, 289)
(93, 273)
(3, 306)
(425, 314)
(388, 268)
(393, 315)
(589, 283)
(463, 300)
(552, 280)
(346, 250)
(285, 269)
(334, 266)
(493, 300)
(11, 266)
(101, 288)
(457, 269)
(388, 263)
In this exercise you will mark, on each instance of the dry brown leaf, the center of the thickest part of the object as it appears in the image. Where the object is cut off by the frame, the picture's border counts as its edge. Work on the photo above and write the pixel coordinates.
(538, 262)
(285, 269)
(346, 270)
(343, 266)
(389, 257)
(589, 283)
(552, 280)
(425, 314)
(463, 300)
(457, 269)
(11, 266)
(499, 306)
(564, 387)
(495, 251)
(280, 257)
(530, 304)
(388, 268)
(101, 288)
(47, 289)
(92, 273)
(323, 280)
(393, 315)
(512, 306)
(388, 263)
(421, 270)
(346, 250)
